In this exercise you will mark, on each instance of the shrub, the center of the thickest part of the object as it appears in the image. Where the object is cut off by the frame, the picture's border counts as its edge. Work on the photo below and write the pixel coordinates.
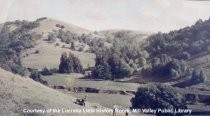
(46, 71)
(17, 69)
(36, 52)
(51, 37)
(57, 44)
(35, 75)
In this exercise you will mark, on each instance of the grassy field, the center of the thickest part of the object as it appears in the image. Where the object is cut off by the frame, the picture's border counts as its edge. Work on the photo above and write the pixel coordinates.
(74, 80)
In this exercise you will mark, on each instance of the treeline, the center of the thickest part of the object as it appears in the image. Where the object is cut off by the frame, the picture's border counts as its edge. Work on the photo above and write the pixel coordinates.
(15, 37)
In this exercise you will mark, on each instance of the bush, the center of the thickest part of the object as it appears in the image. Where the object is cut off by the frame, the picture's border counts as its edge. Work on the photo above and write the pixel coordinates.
(36, 52)
(35, 75)
(141, 61)
(46, 71)
(17, 69)
(51, 37)
(57, 44)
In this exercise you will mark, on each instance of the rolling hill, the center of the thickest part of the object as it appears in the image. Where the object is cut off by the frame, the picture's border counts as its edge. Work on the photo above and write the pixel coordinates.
(53, 50)
(49, 24)
(18, 93)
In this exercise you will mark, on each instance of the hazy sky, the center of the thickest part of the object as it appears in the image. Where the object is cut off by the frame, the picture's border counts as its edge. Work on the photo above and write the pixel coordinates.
(143, 15)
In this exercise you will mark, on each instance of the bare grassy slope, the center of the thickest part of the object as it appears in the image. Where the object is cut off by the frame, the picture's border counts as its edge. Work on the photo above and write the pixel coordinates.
(18, 92)
(49, 56)
(49, 24)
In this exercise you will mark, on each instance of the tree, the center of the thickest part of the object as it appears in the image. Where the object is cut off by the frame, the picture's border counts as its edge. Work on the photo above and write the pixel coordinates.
(72, 46)
(203, 76)
(141, 61)
(64, 66)
(70, 64)
(125, 69)
(158, 96)
(198, 76)
(102, 72)
(35, 75)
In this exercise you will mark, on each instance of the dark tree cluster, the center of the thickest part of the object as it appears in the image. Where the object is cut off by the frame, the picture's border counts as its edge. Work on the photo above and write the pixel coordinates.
(13, 42)
(36, 76)
(158, 96)
(70, 64)
(111, 67)
(46, 71)
(166, 67)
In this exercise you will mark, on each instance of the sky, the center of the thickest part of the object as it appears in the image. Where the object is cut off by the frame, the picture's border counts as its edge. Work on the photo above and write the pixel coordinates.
(140, 15)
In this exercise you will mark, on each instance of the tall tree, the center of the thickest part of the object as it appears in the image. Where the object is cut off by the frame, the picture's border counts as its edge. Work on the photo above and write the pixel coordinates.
(70, 64)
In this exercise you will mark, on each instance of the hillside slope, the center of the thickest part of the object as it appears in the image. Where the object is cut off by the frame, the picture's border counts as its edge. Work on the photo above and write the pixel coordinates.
(49, 55)
(49, 24)
(17, 93)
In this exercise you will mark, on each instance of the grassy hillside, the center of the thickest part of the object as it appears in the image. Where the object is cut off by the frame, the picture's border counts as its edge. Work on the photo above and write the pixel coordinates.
(49, 24)
(17, 93)
(49, 55)
(86, 43)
